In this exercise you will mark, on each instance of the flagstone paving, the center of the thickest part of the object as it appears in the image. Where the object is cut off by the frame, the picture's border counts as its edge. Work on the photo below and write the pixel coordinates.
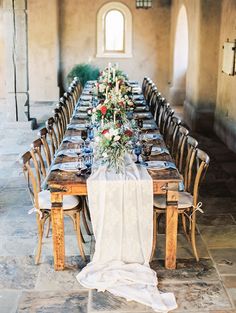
(208, 286)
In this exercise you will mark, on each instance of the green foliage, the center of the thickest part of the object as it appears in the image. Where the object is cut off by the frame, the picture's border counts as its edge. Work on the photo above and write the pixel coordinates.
(84, 72)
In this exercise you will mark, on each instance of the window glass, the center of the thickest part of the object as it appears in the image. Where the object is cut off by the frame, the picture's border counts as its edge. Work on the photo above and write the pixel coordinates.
(114, 31)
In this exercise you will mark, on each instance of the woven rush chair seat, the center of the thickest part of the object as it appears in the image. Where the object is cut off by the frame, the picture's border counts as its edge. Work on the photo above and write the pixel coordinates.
(44, 199)
(185, 201)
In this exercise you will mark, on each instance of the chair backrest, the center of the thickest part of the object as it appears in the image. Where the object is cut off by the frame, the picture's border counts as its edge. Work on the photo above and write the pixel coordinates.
(144, 83)
(153, 103)
(51, 127)
(68, 99)
(172, 132)
(169, 112)
(37, 147)
(148, 91)
(59, 127)
(32, 169)
(147, 88)
(190, 151)
(78, 87)
(164, 105)
(151, 90)
(181, 141)
(72, 92)
(64, 106)
(60, 111)
(44, 136)
(198, 168)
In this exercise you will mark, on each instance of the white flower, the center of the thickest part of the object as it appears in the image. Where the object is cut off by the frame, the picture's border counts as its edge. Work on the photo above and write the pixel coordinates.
(94, 110)
(116, 138)
(105, 155)
(108, 135)
(113, 132)
(89, 111)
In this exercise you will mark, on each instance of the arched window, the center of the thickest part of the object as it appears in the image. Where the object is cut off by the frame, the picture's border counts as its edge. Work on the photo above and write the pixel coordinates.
(114, 31)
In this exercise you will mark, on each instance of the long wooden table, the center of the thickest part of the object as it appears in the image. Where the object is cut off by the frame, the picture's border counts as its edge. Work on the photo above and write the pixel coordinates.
(63, 183)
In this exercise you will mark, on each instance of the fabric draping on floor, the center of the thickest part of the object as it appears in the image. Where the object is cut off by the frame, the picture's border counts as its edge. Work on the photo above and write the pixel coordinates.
(121, 207)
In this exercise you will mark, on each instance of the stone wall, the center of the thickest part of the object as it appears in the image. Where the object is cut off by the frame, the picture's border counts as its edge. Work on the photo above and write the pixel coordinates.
(2, 56)
(151, 30)
(43, 41)
(225, 115)
(201, 78)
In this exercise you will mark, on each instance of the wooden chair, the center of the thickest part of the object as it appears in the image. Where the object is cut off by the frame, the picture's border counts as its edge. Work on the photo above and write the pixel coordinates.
(169, 112)
(44, 137)
(33, 168)
(182, 136)
(59, 126)
(60, 111)
(188, 203)
(144, 83)
(76, 83)
(164, 105)
(53, 136)
(170, 140)
(64, 106)
(68, 99)
(72, 93)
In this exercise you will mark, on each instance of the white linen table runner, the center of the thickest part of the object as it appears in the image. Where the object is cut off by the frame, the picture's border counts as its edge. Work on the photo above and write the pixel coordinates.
(121, 207)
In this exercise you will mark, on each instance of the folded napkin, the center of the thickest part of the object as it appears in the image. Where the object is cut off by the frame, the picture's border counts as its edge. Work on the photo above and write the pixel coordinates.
(86, 97)
(69, 152)
(74, 139)
(146, 115)
(136, 90)
(141, 108)
(138, 97)
(160, 165)
(84, 103)
(81, 115)
(66, 167)
(159, 150)
(152, 136)
(149, 125)
(76, 126)
(139, 102)
(133, 82)
(82, 108)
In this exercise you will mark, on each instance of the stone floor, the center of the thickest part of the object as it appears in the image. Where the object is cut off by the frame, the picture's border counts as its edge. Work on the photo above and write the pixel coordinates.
(207, 286)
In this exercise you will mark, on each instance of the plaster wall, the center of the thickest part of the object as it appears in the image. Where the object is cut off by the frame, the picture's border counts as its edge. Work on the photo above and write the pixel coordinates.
(151, 31)
(201, 78)
(43, 49)
(2, 57)
(225, 115)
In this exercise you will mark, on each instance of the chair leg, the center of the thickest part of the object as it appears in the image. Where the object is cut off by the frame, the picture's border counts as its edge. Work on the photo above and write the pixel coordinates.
(48, 227)
(85, 222)
(40, 235)
(154, 242)
(79, 238)
(87, 208)
(183, 218)
(193, 235)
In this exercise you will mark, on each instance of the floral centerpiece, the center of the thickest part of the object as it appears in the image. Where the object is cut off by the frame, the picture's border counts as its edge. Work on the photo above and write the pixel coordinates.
(113, 108)
(113, 142)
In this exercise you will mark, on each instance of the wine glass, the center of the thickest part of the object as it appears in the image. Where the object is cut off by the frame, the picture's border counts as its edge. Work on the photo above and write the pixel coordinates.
(91, 134)
(140, 123)
(146, 151)
(137, 151)
(84, 135)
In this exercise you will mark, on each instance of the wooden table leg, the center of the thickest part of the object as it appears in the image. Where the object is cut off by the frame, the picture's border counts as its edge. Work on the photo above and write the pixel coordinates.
(171, 226)
(58, 231)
